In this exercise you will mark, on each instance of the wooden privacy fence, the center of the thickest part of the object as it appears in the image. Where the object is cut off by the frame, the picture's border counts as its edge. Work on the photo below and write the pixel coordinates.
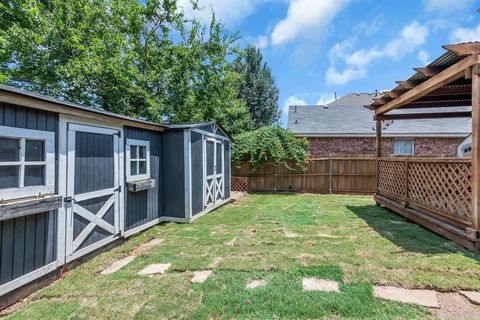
(440, 187)
(323, 175)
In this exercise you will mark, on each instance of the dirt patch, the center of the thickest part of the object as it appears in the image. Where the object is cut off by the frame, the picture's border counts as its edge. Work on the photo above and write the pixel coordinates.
(455, 306)
(141, 249)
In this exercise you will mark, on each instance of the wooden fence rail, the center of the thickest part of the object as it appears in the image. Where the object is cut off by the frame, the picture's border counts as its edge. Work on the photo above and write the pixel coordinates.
(323, 175)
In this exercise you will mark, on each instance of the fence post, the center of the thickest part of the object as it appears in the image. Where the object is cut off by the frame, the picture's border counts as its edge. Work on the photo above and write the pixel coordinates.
(275, 178)
(330, 174)
(406, 183)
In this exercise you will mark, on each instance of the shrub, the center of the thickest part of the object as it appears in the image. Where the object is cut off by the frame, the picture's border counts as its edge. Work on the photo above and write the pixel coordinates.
(270, 145)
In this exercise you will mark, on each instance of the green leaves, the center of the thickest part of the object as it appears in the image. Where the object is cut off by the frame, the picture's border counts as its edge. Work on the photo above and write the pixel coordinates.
(270, 145)
(258, 88)
(141, 60)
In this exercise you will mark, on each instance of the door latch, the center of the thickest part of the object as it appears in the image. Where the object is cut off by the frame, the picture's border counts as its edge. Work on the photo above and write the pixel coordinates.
(68, 199)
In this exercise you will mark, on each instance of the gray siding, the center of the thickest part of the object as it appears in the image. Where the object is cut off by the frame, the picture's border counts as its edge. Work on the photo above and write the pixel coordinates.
(173, 174)
(27, 243)
(227, 170)
(197, 173)
(145, 206)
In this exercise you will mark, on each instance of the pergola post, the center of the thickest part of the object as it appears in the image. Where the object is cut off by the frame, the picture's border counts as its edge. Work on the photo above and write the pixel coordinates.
(476, 147)
(378, 132)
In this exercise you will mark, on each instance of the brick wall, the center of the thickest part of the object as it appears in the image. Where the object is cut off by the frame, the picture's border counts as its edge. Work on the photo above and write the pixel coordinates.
(320, 147)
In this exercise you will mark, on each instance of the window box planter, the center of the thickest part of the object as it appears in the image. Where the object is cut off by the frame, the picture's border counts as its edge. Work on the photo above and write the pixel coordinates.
(136, 186)
(24, 207)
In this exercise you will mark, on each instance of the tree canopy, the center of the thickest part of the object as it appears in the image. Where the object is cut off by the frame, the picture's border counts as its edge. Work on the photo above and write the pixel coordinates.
(270, 145)
(142, 60)
(258, 87)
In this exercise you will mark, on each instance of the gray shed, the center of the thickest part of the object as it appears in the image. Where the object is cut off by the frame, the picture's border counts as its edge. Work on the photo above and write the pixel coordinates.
(206, 169)
(74, 178)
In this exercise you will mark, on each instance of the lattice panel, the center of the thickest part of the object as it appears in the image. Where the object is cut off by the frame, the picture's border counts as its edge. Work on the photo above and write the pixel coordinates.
(391, 178)
(442, 186)
(239, 183)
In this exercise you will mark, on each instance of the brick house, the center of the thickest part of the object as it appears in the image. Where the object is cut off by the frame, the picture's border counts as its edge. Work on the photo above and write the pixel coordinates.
(345, 127)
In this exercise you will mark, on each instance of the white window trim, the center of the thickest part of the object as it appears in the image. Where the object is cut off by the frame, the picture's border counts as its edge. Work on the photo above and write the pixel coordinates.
(49, 163)
(404, 154)
(143, 143)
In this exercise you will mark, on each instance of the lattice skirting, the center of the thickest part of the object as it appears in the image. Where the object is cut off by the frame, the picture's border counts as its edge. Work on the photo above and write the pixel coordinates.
(239, 183)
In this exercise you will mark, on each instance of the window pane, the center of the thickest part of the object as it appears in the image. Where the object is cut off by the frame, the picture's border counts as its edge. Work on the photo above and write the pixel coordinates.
(142, 152)
(34, 176)
(9, 149)
(34, 150)
(133, 168)
(403, 147)
(8, 177)
(143, 167)
(133, 152)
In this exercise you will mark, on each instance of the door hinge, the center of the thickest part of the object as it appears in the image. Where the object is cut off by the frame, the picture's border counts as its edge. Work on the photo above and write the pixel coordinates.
(68, 199)
(119, 189)
(118, 134)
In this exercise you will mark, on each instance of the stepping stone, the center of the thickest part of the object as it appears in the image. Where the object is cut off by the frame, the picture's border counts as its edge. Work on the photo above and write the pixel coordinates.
(154, 269)
(256, 283)
(426, 298)
(472, 296)
(200, 276)
(117, 265)
(315, 284)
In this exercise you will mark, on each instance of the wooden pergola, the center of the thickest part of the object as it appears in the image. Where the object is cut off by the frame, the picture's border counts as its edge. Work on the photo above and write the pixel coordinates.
(442, 194)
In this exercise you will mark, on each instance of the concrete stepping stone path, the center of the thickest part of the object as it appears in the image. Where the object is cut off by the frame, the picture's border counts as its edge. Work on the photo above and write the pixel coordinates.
(200, 276)
(117, 265)
(426, 298)
(472, 296)
(256, 284)
(315, 284)
(153, 269)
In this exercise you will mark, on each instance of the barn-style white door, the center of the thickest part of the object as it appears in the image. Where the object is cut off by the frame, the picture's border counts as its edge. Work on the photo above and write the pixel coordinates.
(214, 172)
(93, 188)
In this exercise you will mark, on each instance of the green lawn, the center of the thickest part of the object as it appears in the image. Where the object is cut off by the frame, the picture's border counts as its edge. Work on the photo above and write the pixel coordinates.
(280, 238)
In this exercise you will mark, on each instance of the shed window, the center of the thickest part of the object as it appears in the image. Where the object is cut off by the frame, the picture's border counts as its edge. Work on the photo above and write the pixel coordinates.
(138, 160)
(403, 147)
(27, 162)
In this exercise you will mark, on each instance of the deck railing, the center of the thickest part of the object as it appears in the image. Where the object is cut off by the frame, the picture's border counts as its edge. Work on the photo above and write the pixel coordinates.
(441, 187)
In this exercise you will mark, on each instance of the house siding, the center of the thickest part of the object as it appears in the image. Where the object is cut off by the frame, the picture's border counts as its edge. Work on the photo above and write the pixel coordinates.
(336, 146)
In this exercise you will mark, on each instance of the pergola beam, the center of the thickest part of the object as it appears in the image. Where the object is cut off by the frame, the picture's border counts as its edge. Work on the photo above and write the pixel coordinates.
(463, 49)
(448, 75)
(428, 71)
(408, 84)
(433, 115)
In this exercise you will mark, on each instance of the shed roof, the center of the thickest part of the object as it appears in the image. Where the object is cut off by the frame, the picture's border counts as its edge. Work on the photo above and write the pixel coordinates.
(358, 121)
(6, 93)
(197, 125)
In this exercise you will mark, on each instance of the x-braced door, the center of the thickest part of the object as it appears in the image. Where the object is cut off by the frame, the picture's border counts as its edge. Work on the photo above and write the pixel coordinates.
(214, 171)
(93, 188)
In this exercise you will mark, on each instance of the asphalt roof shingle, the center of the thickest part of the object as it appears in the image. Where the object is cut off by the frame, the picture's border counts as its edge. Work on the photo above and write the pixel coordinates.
(356, 120)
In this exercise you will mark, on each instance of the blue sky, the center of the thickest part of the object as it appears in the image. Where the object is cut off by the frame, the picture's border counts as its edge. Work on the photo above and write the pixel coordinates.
(318, 47)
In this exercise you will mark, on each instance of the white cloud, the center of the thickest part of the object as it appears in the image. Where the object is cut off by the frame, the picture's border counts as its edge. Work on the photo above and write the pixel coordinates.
(325, 98)
(411, 37)
(424, 57)
(465, 34)
(293, 101)
(444, 7)
(340, 78)
(228, 11)
(305, 17)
